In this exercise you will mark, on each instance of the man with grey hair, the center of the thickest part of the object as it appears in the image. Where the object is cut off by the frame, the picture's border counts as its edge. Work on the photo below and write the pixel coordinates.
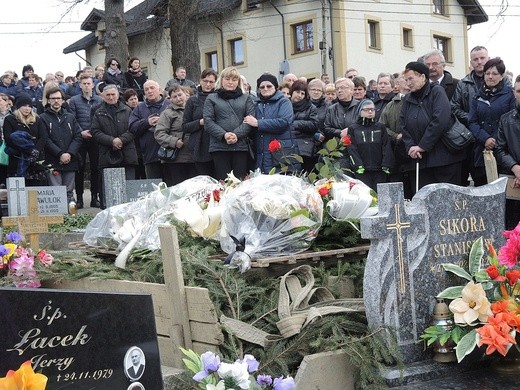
(289, 78)
(109, 130)
(341, 115)
(142, 124)
(436, 63)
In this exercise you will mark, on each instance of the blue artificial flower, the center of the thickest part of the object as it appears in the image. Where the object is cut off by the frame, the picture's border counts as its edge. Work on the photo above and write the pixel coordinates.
(252, 363)
(264, 380)
(14, 237)
(210, 363)
(284, 384)
(3, 251)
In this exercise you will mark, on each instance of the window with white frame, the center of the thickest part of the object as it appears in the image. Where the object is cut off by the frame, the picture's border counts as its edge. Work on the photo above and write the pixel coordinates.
(374, 34)
(443, 44)
(440, 7)
(212, 60)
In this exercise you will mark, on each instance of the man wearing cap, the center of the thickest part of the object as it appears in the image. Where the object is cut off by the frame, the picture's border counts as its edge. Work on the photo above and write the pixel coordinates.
(425, 118)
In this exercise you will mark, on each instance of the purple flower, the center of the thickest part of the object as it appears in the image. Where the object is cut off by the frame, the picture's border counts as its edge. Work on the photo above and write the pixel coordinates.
(284, 384)
(252, 363)
(3, 251)
(14, 237)
(210, 362)
(264, 380)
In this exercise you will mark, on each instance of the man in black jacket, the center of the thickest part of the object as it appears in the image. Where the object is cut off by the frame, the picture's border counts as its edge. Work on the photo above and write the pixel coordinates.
(436, 63)
(63, 144)
(81, 106)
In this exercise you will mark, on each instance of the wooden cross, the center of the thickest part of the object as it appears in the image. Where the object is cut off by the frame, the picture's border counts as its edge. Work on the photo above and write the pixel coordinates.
(33, 224)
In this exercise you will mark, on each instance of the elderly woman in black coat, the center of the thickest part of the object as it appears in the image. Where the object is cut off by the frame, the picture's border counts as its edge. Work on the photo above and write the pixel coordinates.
(425, 118)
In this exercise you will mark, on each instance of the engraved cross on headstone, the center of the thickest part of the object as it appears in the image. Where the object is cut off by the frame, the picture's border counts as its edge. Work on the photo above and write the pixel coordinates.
(17, 196)
(389, 232)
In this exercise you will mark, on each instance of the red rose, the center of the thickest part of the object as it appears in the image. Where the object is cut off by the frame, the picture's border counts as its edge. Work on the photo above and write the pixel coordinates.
(346, 141)
(492, 271)
(55, 173)
(274, 146)
(513, 276)
(323, 191)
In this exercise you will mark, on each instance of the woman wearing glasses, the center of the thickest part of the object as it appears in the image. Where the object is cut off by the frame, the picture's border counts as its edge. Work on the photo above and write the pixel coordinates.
(193, 123)
(494, 99)
(371, 148)
(274, 115)
(113, 74)
(223, 118)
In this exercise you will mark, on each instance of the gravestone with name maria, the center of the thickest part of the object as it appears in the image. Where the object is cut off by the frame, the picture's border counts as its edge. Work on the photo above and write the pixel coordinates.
(410, 241)
(107, 342)
(136, 189)
(114, 186)
(51, 199)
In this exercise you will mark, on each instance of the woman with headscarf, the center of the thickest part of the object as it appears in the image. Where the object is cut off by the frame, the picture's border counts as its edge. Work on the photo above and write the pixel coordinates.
(25, 137)
(193, 124)
(494, 99)
(272, 121)
(135, 77)
(425, 118)
(224, 116)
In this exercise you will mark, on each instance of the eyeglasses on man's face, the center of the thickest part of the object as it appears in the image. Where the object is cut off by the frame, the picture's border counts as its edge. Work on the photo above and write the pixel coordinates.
(368, 109)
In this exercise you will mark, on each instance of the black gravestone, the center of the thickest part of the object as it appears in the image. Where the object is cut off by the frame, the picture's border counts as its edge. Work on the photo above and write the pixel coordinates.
(81, 340)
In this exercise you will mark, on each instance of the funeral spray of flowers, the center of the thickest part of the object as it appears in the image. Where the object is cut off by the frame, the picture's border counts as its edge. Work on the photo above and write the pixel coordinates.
(213, 374)
(19, 263)
(487, 309)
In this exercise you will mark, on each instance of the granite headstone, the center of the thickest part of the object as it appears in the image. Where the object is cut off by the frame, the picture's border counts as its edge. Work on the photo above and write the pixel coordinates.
(51, 199)
(108, 341)
(114, 186)
(16, 196)
(410, 241)
(135, 189)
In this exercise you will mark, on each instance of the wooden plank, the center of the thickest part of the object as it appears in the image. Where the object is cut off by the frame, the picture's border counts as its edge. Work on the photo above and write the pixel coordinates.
(166, 351)
(206, 333)
(315, 256)
(200, 306)
(174, 281)
(200, 348)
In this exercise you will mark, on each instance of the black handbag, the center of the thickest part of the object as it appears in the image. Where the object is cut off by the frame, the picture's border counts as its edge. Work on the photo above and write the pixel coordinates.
(167, 154)
(306, 147)
(458, 137)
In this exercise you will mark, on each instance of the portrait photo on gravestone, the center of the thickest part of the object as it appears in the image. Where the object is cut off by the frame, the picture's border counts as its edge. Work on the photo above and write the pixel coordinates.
(98, 344)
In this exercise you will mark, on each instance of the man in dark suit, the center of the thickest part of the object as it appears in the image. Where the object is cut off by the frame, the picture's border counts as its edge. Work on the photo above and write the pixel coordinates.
(436, 63)
(135, 371)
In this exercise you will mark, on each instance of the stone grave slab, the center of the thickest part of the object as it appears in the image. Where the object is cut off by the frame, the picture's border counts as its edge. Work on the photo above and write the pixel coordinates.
(51, 199)
(114, 186)
(410, 241)
(135, 189)
(109, 341)
(16, 196)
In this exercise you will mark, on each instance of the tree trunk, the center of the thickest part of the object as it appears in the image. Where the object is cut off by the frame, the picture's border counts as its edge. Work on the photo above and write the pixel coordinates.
(184, 36)
(116, 40)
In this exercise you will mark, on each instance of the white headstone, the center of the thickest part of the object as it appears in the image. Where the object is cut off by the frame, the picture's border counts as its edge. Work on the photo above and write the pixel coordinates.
(16, 196)
(114, 186)
(51, 199)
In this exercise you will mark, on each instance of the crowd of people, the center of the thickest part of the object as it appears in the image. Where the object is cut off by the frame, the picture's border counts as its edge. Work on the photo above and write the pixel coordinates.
(392, 126)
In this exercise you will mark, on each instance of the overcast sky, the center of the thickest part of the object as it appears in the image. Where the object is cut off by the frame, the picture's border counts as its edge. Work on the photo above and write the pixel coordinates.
(30, 34)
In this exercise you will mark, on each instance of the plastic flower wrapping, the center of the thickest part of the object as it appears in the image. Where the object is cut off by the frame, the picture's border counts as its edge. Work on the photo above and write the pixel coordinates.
(347, 198)
(269, 215)
(486, 310)
(134, 225)
(19, 263)
(213, 374)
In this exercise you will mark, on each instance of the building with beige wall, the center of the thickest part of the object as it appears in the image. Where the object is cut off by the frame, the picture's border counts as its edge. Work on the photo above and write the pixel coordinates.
(304, 37)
